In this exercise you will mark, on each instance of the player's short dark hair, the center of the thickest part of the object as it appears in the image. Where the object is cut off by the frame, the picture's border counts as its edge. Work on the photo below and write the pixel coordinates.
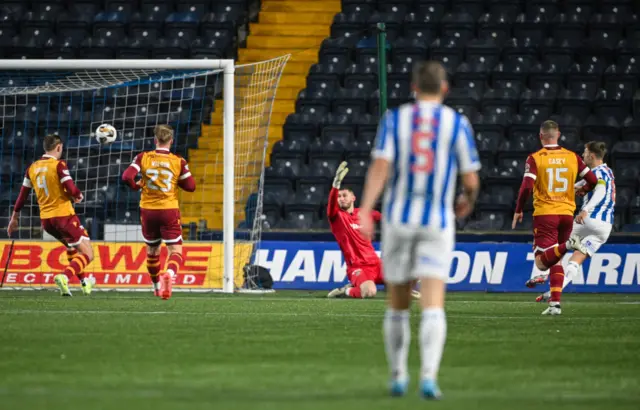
(597, 148)
(346, 188)
(50, 142)
(428, 76)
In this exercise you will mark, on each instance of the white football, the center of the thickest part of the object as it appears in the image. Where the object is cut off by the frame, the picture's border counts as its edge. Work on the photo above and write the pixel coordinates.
(106, 134)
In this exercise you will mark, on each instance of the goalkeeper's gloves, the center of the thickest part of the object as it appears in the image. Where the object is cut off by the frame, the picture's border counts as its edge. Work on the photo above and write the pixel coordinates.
(340, 174)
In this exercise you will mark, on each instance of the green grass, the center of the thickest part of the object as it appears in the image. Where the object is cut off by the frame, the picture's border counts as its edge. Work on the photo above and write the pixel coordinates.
(296, 350)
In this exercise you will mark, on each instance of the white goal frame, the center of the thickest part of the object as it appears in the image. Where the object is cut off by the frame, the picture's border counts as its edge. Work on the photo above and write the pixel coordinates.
(228, 68)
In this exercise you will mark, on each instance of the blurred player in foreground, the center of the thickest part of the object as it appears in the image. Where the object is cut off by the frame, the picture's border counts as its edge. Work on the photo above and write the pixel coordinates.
(162, 173)
(364, 269)
(595, 220)
(420, 149)
(50, 179)
(550, 174)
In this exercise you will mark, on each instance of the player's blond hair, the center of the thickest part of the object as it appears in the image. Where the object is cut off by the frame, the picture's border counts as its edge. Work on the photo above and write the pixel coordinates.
(50, 142)
(163, 133)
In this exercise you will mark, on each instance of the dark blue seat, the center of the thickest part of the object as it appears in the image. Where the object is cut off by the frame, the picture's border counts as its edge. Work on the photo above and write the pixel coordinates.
(300, 216)
(421, 26)
(350, 101)
(460, 25)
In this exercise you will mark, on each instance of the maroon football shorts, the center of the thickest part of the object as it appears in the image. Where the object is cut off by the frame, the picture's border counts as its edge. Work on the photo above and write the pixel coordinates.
(550, 230)
(161, 225)
(66, 229)
(358, 275)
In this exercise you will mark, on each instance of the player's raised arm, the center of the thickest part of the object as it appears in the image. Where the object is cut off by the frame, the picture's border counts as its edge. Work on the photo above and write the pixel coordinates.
(333, 207)
(25, 190)
(186, 180)
(469, 165)
(129, 174)
(526, 188)
(67, 182)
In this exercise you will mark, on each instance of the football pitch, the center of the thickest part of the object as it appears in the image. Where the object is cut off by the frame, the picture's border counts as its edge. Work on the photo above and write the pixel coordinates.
(298, 350)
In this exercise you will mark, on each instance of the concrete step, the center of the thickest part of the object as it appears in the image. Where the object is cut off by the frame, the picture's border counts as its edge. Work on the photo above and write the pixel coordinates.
(284, 42)
(250, 55)
(277, 118)
(297, 30)
(211, 133)
(294, 6)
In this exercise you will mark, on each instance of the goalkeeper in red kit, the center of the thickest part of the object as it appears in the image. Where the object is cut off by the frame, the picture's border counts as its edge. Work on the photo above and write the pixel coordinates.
(364, 268)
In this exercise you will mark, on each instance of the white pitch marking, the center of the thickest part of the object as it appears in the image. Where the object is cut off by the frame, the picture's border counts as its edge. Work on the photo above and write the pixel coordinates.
(314, 314)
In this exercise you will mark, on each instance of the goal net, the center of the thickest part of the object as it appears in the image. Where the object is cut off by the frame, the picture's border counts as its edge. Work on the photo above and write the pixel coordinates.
(220, 115)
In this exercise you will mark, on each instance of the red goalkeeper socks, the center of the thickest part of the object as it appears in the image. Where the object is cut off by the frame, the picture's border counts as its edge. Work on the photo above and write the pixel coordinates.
(553, 255)
(556, 279)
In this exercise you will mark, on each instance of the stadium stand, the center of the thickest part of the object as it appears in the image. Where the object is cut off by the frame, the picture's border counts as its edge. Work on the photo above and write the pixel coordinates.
(99, 29)
(512, 64)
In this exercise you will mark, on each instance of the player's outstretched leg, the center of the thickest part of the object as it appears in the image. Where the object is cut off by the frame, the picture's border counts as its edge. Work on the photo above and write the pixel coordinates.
(339, 292)
(536, 280)
(433, 334)
(553, 255)
(397, 337)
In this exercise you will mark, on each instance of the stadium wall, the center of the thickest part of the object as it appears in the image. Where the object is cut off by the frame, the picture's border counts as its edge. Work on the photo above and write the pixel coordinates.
(489, 267)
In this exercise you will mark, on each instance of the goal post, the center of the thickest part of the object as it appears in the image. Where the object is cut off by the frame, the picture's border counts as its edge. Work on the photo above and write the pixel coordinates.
(248, 93)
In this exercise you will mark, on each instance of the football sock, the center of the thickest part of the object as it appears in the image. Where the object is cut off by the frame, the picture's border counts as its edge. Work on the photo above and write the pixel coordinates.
(153, 267)
(556, 279)
(552, 255)
(71, 253)
(433, 333)
(76, 266)
(572, 270)
(355, 293)
(397, 338)
(174, 263)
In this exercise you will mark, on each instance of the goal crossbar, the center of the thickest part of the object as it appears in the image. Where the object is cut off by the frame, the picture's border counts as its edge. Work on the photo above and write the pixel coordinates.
(228, 68)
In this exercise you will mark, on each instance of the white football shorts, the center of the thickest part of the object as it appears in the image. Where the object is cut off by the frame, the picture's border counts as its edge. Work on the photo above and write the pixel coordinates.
(410, 253)
(594, 234)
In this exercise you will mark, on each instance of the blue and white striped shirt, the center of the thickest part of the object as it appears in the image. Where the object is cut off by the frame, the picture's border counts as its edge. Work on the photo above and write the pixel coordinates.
(427, 145)
(603, 211)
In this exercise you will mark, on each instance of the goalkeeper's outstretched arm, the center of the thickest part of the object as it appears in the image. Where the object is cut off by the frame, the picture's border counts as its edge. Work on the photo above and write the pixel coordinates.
(332, 206)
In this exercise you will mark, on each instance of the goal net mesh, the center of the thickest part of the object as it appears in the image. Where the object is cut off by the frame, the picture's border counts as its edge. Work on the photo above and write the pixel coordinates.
(73, 104)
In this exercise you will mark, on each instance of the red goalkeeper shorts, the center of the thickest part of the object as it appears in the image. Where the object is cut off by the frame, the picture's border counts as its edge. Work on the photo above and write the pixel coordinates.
(358, 275)
(66, 229)
(550, 230)
(161, 225)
